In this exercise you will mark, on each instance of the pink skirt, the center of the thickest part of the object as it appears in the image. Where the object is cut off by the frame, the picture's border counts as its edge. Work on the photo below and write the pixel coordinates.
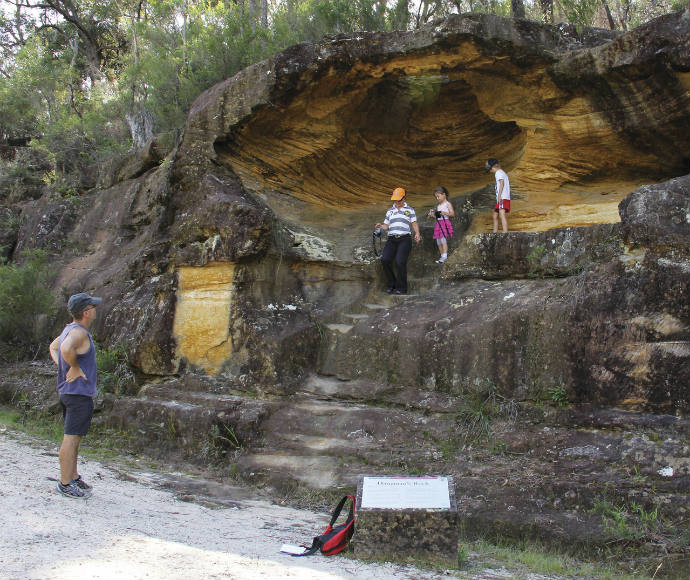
(443, 229)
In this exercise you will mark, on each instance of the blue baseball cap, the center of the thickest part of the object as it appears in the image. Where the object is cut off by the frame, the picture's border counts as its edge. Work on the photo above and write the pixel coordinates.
(77, 303)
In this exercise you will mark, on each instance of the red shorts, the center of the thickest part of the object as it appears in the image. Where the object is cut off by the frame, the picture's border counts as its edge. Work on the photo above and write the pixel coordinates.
(505, 206)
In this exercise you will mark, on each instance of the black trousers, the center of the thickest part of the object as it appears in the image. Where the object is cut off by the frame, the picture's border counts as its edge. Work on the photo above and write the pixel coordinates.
(396, 250)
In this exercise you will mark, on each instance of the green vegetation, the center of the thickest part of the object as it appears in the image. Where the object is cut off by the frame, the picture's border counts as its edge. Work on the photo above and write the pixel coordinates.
(222, 445)
(558, 396)
(101, 443)
(463, 556)
(533, 558)
(534, 259)
(10, 221)
(115, 374)
(26, 306)
(580, 12)
(481, 404)
(87, 80)
(24, 417)
(627, 521)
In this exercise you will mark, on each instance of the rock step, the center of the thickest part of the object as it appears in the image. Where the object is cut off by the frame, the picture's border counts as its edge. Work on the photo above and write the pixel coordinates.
(304, 424)
(173, 394)
(329, 443)
(366, 391)
(320, 443)
(544, 481)
(285, 470)
(336, 427)
(613, 419)
(187, 421)
(362, 311)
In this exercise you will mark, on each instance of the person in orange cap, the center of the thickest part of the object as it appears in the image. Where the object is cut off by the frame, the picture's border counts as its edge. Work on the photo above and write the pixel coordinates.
(400, 221)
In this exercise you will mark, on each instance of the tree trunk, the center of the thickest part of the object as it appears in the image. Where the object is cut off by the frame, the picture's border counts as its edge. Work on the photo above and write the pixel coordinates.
(185, 15)
(609, 16)
(140, 127)
(625, 14)
(547, 10)
(517, 8)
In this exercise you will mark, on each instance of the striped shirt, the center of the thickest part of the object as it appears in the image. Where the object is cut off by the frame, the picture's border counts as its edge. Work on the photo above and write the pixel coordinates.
(399, 220)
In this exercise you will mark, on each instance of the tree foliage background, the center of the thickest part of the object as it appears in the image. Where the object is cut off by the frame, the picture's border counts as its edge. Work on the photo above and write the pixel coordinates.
(83, 79)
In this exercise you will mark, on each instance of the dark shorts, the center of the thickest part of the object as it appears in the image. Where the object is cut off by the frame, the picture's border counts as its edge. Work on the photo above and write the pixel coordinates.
(77, 411)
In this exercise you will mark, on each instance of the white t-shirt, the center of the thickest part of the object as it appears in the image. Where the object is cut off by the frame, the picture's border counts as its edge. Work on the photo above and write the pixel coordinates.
(445, 206)
(505, 194)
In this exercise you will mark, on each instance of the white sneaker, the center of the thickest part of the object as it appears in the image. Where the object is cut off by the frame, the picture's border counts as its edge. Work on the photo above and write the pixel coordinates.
(441, 260)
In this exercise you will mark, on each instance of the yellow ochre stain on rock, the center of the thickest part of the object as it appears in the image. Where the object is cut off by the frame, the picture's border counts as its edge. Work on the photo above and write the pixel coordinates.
(202, 314)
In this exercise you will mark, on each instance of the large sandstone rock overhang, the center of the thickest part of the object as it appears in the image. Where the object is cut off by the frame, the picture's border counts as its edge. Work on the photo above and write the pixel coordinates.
(578, 119)
(284, 168)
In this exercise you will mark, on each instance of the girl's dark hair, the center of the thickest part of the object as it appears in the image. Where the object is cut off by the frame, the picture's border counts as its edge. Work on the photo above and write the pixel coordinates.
(441, 189)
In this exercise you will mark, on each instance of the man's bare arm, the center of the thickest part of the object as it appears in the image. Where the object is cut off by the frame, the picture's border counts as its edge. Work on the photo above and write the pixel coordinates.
(54, 349)
(76, 342)
(417, 235)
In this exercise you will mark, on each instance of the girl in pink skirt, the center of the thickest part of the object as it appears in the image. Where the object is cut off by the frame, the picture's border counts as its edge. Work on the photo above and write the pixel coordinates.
(443, 229)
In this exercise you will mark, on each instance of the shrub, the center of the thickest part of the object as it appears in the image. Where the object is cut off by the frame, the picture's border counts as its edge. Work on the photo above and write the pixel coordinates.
(114, 371)
(26, 305)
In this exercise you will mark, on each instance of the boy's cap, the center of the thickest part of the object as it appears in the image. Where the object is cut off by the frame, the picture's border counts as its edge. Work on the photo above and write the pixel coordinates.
(77, 303)
(398, 194)
(490, 163)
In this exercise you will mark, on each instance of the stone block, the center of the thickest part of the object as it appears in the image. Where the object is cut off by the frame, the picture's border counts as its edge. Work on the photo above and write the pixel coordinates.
(407, 518)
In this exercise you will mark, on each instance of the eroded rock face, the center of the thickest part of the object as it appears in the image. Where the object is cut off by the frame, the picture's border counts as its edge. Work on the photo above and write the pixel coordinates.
(342, 122)
(244, 264)
(284, 168)
(291, 161)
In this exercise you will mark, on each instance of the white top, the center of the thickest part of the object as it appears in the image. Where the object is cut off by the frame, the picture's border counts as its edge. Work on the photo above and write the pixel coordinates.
(444, 206)
(399, 220)
(505, 194)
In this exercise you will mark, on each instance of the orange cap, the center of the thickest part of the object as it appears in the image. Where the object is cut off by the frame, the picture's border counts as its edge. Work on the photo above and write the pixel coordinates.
(398, 194)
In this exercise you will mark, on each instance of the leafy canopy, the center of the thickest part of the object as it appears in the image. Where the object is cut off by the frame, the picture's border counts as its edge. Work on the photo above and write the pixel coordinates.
(88, 78)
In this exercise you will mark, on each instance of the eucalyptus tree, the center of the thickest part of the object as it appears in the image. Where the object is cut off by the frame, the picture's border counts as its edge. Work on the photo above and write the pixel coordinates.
(89, 29)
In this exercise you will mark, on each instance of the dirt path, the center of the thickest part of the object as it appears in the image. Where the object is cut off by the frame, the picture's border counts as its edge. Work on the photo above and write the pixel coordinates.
(132, 529)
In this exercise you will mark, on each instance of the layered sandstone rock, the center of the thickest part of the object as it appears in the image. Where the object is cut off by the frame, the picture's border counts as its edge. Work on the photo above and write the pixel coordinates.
(244, 264)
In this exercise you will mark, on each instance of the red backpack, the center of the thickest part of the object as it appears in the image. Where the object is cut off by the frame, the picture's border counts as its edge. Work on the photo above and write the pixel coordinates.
(334, 539)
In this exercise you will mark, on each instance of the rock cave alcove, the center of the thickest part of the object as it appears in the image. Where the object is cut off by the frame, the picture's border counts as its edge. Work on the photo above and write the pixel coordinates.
(576, 131)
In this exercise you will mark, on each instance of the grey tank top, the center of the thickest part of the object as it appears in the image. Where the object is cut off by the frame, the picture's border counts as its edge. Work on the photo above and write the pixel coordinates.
(87, 363)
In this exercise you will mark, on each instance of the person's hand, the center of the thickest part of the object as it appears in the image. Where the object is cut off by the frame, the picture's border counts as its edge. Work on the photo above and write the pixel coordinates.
(74, 373)
(377, 226)
(417, 237)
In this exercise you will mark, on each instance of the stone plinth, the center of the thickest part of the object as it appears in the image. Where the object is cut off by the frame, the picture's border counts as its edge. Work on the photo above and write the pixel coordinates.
(407, 518)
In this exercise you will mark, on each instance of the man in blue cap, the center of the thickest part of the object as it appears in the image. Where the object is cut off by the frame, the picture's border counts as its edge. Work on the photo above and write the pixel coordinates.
(74, 353)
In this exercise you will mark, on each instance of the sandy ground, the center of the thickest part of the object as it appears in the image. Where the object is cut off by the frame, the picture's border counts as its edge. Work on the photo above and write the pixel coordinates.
(132, 528)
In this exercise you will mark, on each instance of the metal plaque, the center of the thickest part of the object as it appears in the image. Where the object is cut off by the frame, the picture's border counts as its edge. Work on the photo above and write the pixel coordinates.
(405, 493)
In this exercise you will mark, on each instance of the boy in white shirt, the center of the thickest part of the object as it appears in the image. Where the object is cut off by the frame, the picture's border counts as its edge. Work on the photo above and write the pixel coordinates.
(502, 193)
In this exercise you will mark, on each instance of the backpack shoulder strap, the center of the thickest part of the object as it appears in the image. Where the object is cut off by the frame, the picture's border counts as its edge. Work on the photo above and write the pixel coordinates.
(318, 542)
(339, 508)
